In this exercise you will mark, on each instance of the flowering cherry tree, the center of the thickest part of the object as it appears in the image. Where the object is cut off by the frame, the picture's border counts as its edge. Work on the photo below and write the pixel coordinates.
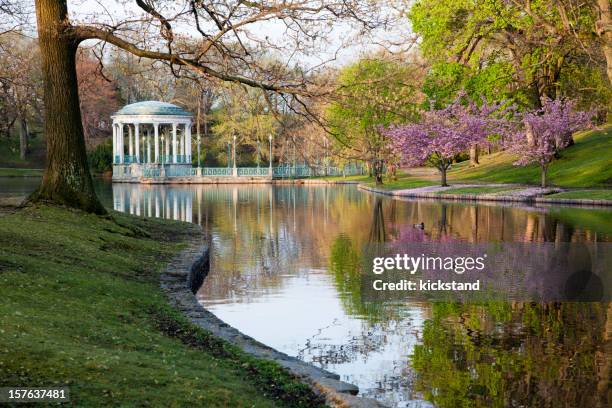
(442, 134)
(551, 131)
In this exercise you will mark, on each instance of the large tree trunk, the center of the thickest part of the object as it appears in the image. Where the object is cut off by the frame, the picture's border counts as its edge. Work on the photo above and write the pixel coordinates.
(378, 171)
(443, 182)
(474, 155)
(604, 30)
(23, 138)
(529, 134)
(66, 180)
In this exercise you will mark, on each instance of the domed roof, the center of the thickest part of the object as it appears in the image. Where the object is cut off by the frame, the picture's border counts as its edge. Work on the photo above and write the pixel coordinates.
(152, 108)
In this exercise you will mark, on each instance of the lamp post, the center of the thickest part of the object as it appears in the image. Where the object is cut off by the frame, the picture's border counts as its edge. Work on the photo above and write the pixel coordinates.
(199, 150)
(228, 155)
(234, 155)
(270, 140)
(325, 140)
(144, 152)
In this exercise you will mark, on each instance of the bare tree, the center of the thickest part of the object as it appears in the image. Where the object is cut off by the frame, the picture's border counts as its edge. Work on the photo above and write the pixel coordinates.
(213, 38)
(99, 99)
(20, 86)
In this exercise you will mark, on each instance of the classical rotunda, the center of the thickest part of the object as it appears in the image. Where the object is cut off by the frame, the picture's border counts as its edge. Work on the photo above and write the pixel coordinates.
(151, 135)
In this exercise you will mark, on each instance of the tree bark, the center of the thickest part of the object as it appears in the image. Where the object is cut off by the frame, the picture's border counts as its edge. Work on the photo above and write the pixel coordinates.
(443, 182)
(378, 171)
(544, 170)
(23, 138)
(66, 180)
(604, 30)
(474, 155)
(529, 134)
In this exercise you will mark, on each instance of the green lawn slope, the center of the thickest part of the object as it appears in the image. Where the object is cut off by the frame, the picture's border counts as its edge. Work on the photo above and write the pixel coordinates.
(81, 307)
(588, 163)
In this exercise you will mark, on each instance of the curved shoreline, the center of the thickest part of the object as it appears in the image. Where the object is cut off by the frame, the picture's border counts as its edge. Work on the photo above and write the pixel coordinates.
(454, 197)
(486, 197)
(190, 267)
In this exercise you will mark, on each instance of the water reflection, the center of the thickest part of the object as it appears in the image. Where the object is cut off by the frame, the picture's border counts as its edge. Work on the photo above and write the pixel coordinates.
(154, 201)
(286, 270)
(516, 354)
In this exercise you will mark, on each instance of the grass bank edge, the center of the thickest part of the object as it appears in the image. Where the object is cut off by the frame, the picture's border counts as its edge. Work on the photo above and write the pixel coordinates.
(82, 307)
(19, 172)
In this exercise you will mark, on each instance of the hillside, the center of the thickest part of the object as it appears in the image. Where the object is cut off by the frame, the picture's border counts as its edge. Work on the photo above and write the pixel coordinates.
(588, 163)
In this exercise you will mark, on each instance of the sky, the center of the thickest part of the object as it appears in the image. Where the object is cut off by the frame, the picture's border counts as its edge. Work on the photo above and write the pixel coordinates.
(341, 42)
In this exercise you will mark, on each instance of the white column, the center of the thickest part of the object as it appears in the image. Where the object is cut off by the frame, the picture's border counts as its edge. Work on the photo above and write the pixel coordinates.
(188, 137)
(117, 139)
(156, 130)
(174, 143)
(182, 149)
(131, 140)
(115, 143)
(121, 142)
(137, 141)
(149, 146)
(167, 147)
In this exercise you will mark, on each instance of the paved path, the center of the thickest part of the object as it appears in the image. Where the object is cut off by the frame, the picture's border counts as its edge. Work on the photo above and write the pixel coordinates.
(514, 190)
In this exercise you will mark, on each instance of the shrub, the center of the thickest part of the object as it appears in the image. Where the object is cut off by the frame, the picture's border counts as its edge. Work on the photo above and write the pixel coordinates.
(101, 157)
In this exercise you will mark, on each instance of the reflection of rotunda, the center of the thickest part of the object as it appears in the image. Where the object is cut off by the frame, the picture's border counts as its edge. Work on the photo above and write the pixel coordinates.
(154, 201)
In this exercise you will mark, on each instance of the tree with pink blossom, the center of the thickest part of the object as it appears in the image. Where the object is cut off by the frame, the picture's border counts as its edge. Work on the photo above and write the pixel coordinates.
(551, 131)
(443, 134)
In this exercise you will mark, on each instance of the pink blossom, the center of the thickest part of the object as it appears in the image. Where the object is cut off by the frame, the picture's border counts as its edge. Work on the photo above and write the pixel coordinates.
(552, 127)
(442, 134)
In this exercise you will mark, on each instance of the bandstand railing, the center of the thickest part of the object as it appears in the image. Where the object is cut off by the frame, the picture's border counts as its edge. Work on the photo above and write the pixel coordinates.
(151, 172)
(181, 171)
(280, 172)
(216, 171)
(305, 171)
(253, 171)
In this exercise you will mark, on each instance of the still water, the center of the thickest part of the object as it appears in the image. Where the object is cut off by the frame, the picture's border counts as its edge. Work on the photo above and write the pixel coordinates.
(284, 271)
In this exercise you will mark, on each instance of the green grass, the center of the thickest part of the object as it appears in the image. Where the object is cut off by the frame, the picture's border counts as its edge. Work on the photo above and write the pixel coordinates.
(15, 172)
(340, 178)
(588, 163)
(584, 194)
(81, 307)
(478, 190)
(403, 182)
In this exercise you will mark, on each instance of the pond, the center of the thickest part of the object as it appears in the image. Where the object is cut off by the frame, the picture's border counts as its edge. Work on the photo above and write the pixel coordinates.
(283, 271)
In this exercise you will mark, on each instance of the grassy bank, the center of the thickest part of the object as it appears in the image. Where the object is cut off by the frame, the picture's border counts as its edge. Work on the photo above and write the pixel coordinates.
(478, 190)
(360, 178)
(587, 163)
(584, 195)
(16, 172)
(81, 307)
(401, 182)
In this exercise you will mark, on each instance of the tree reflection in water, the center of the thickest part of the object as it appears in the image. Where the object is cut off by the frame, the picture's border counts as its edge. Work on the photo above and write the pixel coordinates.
(515, 355)
(271, 244)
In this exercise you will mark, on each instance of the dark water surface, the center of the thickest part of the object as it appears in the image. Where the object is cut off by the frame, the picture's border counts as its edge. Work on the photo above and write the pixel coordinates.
(285, 271)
